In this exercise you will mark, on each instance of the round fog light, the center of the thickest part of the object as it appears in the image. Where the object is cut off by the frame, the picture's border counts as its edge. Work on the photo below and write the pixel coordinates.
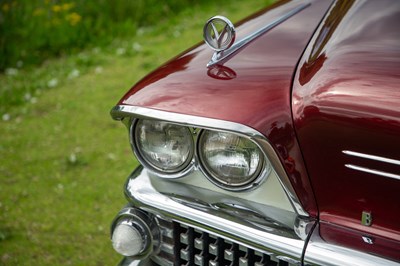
(134, 233)
(127, 240)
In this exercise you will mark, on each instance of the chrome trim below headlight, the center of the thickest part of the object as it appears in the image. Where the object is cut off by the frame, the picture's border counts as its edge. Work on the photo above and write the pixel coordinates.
(120, 112)
(266, 237)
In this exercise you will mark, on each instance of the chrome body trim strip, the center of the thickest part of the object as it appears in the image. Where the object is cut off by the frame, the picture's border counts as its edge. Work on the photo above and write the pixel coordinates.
(132, 262)
(121, 111)
(220, 57)
(372, 171)
(372, 157)
(318, 252)
(281, 242)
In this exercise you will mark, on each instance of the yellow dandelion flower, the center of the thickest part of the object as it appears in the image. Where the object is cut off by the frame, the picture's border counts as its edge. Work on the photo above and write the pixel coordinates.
(67, 6)
(5, 7)
(56, 8)
(73, 18)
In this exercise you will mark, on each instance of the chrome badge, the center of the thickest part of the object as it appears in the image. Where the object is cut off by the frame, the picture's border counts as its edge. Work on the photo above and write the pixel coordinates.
(219, 33)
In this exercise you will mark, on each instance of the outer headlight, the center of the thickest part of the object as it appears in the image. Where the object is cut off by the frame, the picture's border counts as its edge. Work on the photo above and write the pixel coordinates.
(162, 146)
(230, 161)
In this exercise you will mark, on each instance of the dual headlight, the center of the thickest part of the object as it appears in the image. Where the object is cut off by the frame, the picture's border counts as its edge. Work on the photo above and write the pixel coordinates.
(228, 160)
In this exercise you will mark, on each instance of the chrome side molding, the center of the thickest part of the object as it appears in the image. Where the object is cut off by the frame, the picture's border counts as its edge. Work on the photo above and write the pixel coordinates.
(373, 158)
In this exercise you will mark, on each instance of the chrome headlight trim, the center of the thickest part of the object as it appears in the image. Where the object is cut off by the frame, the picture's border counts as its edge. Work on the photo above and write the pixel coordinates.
(120, 112)
(258, 177)
(182, 170)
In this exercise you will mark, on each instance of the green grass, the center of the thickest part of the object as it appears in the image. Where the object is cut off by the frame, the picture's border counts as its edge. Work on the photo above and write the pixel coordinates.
(63, 161)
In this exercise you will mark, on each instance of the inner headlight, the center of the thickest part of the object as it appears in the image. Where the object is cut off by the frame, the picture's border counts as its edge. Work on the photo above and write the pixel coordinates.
(163, 146)
(231, 161)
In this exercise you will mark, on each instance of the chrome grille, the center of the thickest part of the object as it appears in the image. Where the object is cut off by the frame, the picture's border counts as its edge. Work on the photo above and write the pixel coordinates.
(184, 245)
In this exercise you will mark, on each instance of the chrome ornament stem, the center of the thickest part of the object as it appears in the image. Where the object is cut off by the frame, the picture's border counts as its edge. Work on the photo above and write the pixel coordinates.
(222, 53)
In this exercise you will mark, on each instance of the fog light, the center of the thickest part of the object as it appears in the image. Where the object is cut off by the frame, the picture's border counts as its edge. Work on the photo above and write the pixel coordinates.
(134, 233)
(128, 240)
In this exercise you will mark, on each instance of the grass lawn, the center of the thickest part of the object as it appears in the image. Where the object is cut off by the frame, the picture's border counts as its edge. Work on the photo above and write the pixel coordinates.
(63, 160)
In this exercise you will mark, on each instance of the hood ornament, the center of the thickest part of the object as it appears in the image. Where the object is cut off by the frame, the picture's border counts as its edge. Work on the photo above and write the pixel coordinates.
(219, 33)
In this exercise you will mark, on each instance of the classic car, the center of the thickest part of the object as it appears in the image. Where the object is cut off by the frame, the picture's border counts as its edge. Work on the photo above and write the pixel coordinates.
(275, 142)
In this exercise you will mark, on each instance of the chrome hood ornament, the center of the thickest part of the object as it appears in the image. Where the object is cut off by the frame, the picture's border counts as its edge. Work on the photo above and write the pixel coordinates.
(219, 33)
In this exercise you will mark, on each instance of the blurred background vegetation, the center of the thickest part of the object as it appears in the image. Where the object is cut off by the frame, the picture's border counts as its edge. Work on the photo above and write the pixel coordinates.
(63, 161)
(33, 30)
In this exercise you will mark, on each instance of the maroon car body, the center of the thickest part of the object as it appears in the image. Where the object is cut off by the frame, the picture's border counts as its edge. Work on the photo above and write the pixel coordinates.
(346, 97)
(323, 87)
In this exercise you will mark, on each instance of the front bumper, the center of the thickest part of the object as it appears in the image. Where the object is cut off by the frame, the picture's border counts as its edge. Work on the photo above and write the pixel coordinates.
(133, 262)
(201, 220)
(265, 230)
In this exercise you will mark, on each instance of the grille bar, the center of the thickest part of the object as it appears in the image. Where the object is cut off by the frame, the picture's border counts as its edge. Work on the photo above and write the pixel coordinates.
(182, 245)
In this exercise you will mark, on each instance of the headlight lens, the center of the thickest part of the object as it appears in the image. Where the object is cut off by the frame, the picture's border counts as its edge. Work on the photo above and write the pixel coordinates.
(163, 146)
(230, 160)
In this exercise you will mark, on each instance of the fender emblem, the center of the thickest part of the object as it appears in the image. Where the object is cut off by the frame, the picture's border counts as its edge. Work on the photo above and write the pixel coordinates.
(366, 218)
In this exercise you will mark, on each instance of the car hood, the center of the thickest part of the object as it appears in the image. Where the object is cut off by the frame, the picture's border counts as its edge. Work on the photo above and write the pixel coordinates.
(252, 88)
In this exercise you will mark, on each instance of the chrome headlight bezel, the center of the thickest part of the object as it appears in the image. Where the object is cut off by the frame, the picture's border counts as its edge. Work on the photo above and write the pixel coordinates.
(260, 175)
(179, 171)
(195, 162)
(127, 113)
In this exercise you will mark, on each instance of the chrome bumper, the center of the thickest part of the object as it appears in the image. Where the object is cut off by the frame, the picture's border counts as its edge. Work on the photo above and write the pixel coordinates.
(179, 204)
(187, 206)
(132, 262)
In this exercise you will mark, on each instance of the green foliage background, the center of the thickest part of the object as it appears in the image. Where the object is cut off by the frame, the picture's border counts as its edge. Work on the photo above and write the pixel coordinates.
(33, 30)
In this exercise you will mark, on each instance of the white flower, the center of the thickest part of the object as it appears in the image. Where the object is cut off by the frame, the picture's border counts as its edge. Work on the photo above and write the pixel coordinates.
(6, 117)
(72, 158)
(98, 70)
(120, 51)
(73, 74)
(11, 71)
(136, 47)
(52, 83)
(27, 96)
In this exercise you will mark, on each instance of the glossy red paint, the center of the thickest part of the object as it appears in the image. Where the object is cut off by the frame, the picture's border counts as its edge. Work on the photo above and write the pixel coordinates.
(253, 88)
(343, 237)
(346, 97)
